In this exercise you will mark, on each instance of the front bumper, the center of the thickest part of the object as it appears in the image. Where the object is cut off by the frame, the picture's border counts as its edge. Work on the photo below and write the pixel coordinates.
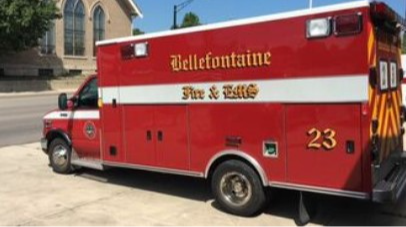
(44, 145)
(389, 189)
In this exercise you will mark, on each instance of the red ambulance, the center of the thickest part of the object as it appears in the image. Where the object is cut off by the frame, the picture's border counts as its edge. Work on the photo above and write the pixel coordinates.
(307, 100)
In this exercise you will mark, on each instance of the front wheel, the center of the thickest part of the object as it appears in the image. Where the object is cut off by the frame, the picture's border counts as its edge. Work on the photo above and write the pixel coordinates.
(238, 188)
(60, 156)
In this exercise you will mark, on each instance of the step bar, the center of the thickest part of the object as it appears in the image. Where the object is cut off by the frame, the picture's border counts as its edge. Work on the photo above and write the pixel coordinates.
(88, 163)
(389, 189)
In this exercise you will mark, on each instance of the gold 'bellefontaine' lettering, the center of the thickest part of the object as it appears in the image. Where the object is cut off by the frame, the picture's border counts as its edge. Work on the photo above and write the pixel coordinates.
(209, 61)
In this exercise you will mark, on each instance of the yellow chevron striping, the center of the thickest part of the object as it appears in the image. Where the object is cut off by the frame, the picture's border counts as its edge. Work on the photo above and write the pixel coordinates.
(370, 43)
(382, 111)
(397, 105)
(385, 131)
(393, 121)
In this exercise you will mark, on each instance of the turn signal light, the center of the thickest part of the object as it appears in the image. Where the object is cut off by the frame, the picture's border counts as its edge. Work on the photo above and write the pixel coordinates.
(348, 24)
(100, 103)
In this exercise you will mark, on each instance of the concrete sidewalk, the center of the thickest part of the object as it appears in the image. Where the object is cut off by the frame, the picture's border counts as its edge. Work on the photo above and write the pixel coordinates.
(31, 194)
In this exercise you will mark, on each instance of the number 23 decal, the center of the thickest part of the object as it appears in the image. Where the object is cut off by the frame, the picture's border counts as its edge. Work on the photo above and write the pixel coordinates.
(327, 141)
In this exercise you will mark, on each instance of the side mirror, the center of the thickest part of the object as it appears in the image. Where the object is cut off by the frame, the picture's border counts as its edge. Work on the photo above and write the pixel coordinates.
(63, 101)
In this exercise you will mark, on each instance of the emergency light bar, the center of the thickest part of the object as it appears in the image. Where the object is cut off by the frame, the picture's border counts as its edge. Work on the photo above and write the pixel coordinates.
(348, 24)
(351, 24)
(141, 49)
(137, 50)
(318, 28)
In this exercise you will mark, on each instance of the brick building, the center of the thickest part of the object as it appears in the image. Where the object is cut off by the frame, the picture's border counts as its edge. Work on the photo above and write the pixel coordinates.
(68, 47)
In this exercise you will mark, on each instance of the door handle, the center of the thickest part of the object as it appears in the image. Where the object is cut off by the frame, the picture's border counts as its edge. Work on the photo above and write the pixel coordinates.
(160, 136)
(114, 103)
(149, 135)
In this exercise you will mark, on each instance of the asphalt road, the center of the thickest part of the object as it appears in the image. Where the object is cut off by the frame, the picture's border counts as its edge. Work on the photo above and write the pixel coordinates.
(21, 117)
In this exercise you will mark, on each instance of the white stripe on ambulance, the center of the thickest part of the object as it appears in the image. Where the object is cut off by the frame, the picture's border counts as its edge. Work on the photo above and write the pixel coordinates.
(77, 115)
(338, 89)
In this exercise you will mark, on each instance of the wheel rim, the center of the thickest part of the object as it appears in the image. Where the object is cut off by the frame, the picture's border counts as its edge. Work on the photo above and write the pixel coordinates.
(60, 155)
(235, 188)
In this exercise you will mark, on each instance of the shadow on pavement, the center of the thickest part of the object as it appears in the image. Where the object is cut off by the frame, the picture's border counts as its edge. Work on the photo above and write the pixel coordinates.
(186, 187)
(329, 210)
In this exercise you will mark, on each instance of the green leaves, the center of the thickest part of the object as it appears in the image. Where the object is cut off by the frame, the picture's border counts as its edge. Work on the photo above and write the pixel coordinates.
(137, 31)
(190, 20)
(23, 22)
(404, 44)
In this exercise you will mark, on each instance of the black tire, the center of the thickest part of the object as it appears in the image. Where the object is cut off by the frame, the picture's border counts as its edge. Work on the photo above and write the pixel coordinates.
(59, 153)
(238, 189)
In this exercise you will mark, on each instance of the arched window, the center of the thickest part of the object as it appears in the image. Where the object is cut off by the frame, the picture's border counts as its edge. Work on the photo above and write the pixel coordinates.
(98, 26)
(47, 43)
(74, 20)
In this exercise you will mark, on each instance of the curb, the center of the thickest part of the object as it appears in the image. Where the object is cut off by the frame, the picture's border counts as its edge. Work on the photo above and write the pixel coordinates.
(40, 93)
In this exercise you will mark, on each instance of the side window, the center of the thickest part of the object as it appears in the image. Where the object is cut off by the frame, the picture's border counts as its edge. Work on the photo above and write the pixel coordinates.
(383, 75)
(89, 96)
(393, 75)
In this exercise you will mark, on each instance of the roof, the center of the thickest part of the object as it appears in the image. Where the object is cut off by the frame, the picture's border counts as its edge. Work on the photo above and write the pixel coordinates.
(134, 8)
(234, 23)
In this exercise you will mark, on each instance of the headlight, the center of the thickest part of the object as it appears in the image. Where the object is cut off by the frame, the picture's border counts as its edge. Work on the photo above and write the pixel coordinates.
(317, 28)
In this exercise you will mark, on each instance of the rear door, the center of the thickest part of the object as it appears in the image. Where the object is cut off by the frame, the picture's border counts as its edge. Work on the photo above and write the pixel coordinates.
(385, 90)
(386, 96)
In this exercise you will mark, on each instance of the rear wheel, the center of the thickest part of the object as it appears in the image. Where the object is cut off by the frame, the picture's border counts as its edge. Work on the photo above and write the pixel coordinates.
(60, 156)
(238, 188)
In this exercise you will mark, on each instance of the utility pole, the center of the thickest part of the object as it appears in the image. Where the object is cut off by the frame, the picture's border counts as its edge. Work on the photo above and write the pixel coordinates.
(175, 16)
(310, 4)
(177, 9)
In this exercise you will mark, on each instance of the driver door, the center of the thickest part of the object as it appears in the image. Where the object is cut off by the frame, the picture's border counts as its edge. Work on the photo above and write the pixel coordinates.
(85, 123)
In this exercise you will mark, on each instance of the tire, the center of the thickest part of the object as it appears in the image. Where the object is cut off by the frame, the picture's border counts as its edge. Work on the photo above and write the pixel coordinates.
(59, 153)
(238, 189)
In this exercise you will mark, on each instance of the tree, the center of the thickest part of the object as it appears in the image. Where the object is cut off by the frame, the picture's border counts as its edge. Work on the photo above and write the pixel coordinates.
(137, 31)
(24, 22)
(404, 44)
(190, 20)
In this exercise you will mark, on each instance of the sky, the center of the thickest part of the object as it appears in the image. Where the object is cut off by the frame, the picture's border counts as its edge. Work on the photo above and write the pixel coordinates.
(158, 14)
